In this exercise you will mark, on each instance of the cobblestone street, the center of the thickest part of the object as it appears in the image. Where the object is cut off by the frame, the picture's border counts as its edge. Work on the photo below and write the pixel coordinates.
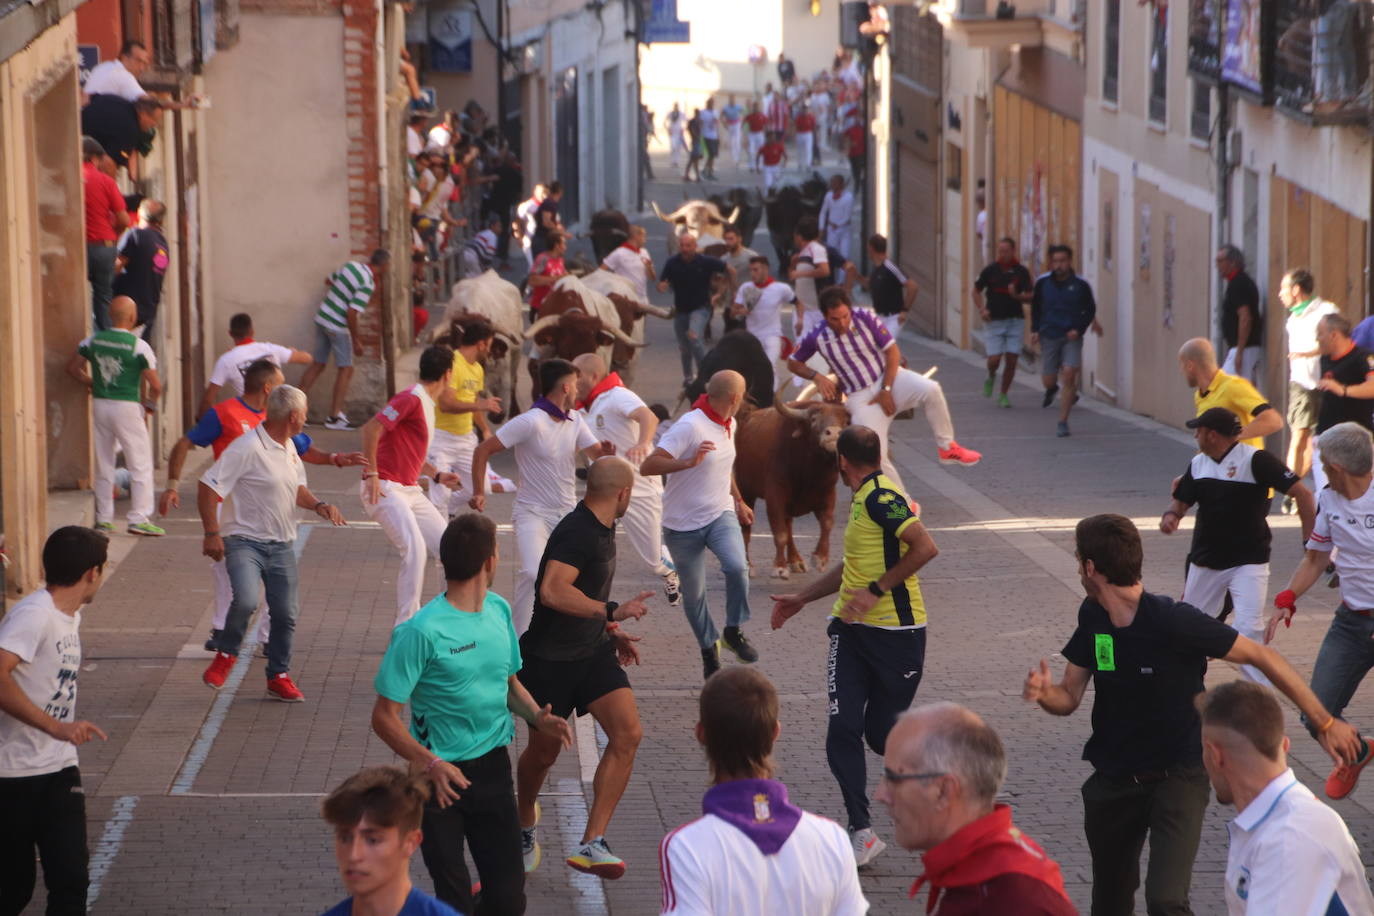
(208, 803)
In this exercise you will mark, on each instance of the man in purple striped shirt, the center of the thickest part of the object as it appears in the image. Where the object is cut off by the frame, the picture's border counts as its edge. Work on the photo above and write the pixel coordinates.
(865, 358)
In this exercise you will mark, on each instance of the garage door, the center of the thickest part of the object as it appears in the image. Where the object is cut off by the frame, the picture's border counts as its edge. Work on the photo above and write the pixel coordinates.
(918, 238)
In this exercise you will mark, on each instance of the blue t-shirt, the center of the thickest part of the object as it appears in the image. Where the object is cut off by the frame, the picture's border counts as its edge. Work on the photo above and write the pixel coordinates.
(418, 903)
(1363, 335)
(209, 428)
(453, 668)
(691, 280)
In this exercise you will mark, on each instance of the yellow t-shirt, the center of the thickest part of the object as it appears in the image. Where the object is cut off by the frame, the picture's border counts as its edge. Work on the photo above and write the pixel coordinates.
(467, 381)
(873, 544)
(1236, 395)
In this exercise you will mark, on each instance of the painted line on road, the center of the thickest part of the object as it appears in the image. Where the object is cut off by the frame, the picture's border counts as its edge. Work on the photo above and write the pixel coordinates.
(108, 850)
(219, 711)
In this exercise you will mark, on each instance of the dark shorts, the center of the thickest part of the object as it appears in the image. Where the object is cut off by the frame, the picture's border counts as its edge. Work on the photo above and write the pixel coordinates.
(712, 147)
(1302, 406)
(574, 685)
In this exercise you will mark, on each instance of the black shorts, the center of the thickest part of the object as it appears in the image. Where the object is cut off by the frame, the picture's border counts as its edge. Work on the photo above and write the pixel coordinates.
(574, 685)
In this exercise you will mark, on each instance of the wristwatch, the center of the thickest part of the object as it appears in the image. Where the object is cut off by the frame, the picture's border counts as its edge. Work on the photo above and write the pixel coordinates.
(875, 590)
(610, 610)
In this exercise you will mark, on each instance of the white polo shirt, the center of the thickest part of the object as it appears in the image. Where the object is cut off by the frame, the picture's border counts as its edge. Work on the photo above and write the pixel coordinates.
(632, 265)
(257, 477)
(765, 307)
(232, 363)
(113, 78)
(48, 643)
(1291, 855)
(545, 451)
(1302, 338)
(696, 497)
(611, 417)
(1347, 525)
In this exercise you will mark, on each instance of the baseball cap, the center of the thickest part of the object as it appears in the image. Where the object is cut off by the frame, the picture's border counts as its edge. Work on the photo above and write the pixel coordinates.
(1217, 419)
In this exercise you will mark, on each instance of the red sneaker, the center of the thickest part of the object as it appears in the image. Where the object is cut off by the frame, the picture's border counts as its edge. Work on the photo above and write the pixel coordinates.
(282, 688)
(957, 454)
(1342, 780)
(219, 669)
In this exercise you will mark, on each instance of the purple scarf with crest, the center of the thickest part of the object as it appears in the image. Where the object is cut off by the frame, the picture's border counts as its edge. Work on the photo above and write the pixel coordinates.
(758, 808)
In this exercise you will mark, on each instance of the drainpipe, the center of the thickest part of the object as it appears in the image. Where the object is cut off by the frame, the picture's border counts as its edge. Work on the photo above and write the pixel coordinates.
(1223, 206)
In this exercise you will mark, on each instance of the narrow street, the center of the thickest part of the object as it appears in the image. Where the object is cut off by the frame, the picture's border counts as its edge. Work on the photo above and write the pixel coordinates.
(204, 803)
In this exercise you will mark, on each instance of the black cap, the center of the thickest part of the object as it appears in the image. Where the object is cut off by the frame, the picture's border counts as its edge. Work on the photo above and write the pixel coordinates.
(1217, 419)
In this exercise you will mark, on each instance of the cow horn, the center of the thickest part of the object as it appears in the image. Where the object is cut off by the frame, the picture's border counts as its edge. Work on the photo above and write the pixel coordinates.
(659, 212)
(547, 321)
(620, 335)
(734, 214)
(787, 410)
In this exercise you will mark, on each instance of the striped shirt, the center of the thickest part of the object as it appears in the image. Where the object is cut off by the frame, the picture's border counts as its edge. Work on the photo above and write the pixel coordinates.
(483, 245)
(857, 357)
(349, 288)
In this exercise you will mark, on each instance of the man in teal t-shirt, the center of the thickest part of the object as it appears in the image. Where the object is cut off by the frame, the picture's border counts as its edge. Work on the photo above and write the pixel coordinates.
(455, 663)
(120, 369)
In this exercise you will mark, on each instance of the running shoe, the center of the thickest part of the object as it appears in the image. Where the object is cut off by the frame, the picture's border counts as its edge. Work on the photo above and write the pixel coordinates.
(529, 846)
(596, 858)
(147, 529)
(710, 661)
(1290, 506)
(1342, 780)
(280, 687)
(672, 589)
(1050, 392)
(219, 670)
(866, 846)
(1062, 430)
(338, 422)
(987, 387)
(213, 641)
(957, 454)
(735, 640)
(1003, 400)
(104, 527)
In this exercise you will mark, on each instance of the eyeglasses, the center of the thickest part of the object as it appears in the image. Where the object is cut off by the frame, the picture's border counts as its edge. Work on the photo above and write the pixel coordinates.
(889, 776)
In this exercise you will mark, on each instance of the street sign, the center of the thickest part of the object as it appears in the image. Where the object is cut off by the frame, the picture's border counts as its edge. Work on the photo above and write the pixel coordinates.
(663, 26)
(87, 57)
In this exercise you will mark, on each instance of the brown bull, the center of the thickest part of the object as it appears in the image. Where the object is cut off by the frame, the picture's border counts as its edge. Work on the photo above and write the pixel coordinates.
(786, 455)
(571, 324)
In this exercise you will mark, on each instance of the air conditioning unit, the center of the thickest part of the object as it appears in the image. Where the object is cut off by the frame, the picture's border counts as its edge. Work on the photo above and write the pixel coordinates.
(1235, 149)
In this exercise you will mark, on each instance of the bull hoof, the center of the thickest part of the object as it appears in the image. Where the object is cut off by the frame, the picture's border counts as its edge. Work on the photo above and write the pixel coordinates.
(798, 565)
(819, 562)
(781, 572)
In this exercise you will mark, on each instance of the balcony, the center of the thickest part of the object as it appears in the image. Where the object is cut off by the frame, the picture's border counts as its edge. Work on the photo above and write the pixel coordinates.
(1003, 23)
(1322, 64)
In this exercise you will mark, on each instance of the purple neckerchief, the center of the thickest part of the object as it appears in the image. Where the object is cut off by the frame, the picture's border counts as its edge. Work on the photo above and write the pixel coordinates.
(758, 808)
(550, 408)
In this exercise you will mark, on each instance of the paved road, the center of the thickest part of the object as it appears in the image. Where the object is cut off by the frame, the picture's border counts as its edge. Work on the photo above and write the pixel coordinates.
(207, 803)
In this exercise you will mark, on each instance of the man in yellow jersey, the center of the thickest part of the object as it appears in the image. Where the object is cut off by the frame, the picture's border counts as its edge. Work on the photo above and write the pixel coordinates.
(454, 436)
(1258, 418)
(877, 631)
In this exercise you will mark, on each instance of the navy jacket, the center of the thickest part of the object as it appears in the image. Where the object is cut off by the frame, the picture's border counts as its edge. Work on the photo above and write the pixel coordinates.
(1059, 308)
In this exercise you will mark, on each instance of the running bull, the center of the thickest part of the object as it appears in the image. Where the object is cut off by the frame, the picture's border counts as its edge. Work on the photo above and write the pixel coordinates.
(497, 300)
(575, 318)
(741, 351)
(702, 218)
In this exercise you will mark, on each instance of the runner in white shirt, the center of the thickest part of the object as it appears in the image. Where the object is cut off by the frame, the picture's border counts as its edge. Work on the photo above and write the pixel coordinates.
(40, 784)
(820, 107)
(1305, 310)
(631, 261)
(228, 371)
(760, 302)
(546, 439)
(619, 416)
(753, 852)
(1290, 854)
(702, 510)
(525, 216)
(837, 216)
(809, 265)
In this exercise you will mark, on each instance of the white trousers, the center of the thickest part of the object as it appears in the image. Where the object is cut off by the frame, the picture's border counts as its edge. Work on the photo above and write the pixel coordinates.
(822, 133)
(675, 145)
(909, 391)
(735, 133)
(1206, 589)
(414, 527)
(755, 144)
(1253, 357)
(806, 148)
(121, 424)
(532, 530)
(893, 323)
(839, 236)
(770, 177)
(452, 452)
(772, 345)
(643, 523)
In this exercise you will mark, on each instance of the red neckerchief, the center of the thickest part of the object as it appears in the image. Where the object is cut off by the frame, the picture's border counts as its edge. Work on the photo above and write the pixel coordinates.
(1231, 276)
(703, 404)
(1335, 359)
(1010, 265)
(982, 850)
(630, 245)
(601, 387)
(245, 342)
(764, 283)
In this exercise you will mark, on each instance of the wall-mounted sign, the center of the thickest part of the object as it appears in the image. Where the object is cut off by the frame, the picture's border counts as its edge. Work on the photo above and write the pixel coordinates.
(87, 57)
(450, 40)
(663, 26)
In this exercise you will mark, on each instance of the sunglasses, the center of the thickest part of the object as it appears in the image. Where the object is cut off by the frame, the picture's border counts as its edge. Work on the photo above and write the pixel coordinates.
(894, 778)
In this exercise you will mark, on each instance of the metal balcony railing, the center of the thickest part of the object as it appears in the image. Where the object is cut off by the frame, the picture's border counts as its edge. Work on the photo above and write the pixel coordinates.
(1322, 59)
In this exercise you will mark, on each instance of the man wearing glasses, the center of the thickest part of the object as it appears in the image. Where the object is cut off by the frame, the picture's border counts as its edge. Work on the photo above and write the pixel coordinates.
(941, 774)
(878, 626)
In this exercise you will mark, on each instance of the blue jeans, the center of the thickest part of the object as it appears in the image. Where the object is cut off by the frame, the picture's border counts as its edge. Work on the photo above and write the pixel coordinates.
(688, 549)
(251, 564)
(688, 347)
(1345, 657)
(100, 270)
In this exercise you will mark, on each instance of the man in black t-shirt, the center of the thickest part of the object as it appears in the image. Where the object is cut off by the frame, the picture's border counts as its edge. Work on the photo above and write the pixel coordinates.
(1242, 325)
(1346, 385)
(143, 263)
(892, 293)
(1231, 484)
(573, 656)
(1146, 655)
(1002, 292)
(690, 274)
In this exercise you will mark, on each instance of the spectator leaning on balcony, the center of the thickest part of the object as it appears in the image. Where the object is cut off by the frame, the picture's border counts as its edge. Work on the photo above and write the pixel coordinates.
(143, 263)
(106, 217)
(123, 128)
(120, 76)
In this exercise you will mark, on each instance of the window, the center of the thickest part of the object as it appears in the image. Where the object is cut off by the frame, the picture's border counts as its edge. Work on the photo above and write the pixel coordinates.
(1159, 64)
(1200, 126)
(1111, 52)
(954, 167)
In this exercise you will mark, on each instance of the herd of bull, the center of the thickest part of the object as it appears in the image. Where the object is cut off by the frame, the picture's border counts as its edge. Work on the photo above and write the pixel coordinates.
(785, 448)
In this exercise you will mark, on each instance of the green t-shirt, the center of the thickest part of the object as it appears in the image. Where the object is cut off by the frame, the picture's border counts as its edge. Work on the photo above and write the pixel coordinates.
(117, 359)
(453, 667)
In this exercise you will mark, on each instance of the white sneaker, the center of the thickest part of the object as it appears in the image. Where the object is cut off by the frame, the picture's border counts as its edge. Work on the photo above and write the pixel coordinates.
(529, 846)
(672, 589)
(866, 846)
(338, 422)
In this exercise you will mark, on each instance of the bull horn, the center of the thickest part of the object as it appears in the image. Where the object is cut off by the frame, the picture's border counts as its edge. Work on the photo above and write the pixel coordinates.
(620, 335)
(647, 308)
(787, 410)
(733, 214)
(929, 372)
(659, 212)
(510, 338)
(546, 322)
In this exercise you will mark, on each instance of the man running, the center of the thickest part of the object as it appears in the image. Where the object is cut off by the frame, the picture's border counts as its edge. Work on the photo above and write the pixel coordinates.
(1062, 311)
(233, 363)
(757, 122)
(461, 410)
(348, 292)
(837, 215)
(732, 115)
(120, 370)
(809, 273)
(1002, 293)
(893, 292)
(526, 219)
(618, 415)
(759, 303)
(630, 260)
(1297, 293)
(710, 135)
(574, 653)
(395, 443)
(1347, 385)
(866, 360)
(546, 439)
(702, 510)
(691, 274)
(805, 136)
(877, 627)
(1214, 388)
(771, 159)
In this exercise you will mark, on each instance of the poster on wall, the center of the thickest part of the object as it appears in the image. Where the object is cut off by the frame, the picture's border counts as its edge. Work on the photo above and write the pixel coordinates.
(450, 40)
(1242, 56)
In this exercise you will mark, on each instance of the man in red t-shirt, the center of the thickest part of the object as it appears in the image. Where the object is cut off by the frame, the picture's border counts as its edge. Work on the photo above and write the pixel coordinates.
(771, 156)
(395, 443)
(757, 123)
(806, 138)
(548, 267)
(106, 217)
(856, 148)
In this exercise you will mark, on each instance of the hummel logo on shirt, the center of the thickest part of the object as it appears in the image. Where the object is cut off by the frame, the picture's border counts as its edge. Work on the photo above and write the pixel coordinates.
(460, 649)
